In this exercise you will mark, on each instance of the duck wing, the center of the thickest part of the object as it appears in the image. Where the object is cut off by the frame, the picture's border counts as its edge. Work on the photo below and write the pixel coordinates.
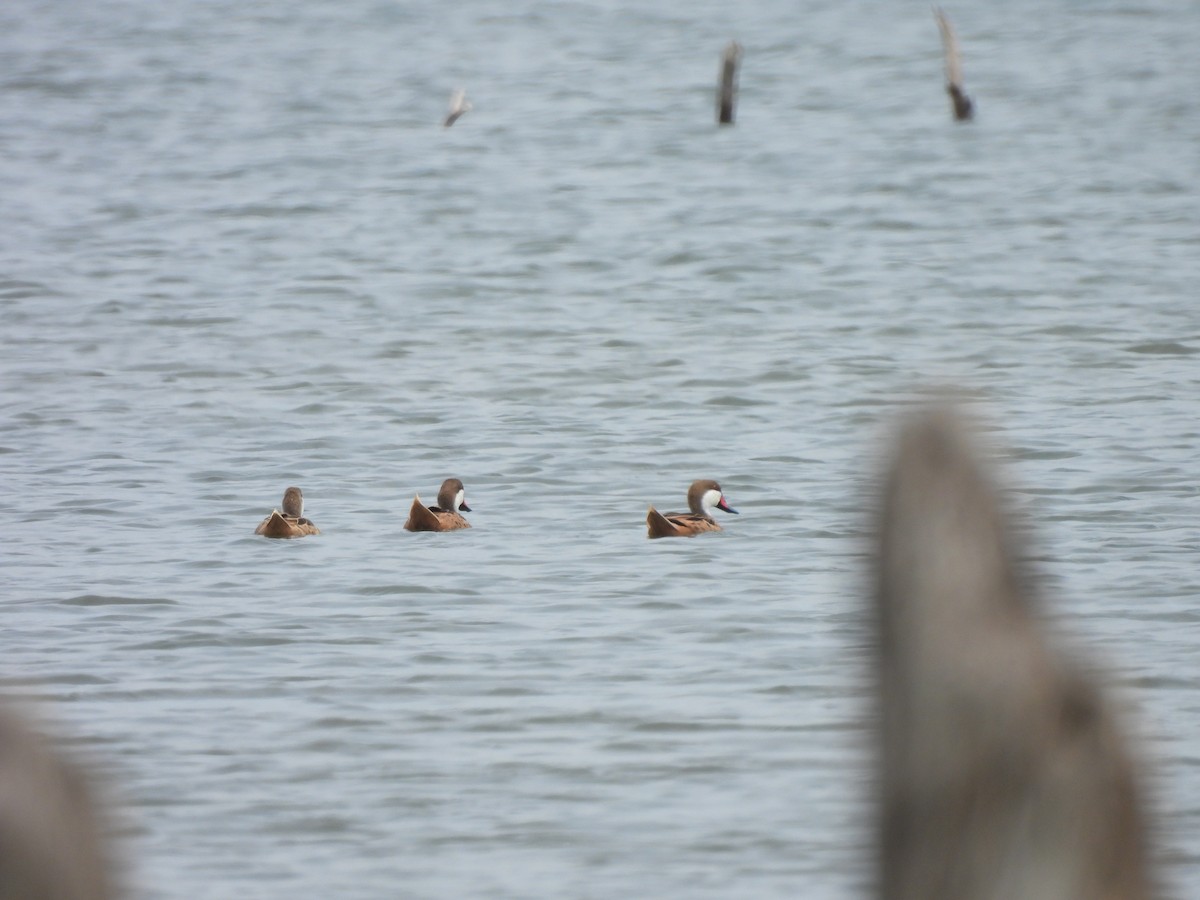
(421, 517)
(658, 525)
(277, 525)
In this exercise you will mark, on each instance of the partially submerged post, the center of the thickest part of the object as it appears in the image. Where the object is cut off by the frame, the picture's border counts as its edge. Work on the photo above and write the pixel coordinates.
(731, 58)
(963, 108)
(459, 104)
(1003, 771)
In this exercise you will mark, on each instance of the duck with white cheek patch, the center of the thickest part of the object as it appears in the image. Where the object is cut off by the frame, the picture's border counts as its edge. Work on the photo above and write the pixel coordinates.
(291, 522)
(703, 496)
(445, 516)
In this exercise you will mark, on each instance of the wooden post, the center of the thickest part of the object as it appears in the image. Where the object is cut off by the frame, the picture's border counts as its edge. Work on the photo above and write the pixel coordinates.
(1004, 773)
(459, 104)
(961, 104)
(55, 839)
(731, 58)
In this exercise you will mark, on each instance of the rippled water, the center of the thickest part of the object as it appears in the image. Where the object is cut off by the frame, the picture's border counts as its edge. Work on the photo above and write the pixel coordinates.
(239, 252)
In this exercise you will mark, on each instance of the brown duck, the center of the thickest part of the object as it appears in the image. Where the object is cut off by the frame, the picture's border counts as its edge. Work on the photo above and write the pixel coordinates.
(291, 522)
(443, 517)
(703, 495)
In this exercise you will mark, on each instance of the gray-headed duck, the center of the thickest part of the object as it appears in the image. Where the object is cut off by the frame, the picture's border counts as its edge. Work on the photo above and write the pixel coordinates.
(443, 517)
(291, 522)
(703, 496)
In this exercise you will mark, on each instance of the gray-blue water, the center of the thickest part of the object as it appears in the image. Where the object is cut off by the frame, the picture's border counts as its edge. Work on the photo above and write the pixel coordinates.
(240, 252)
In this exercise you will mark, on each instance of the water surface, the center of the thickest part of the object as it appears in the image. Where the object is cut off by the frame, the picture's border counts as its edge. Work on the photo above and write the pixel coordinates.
(239, 252)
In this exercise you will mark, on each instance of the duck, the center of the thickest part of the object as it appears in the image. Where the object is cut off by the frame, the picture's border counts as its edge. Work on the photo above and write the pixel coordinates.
(964, 109)
(291, 522)
(445, 516)
(703, 495)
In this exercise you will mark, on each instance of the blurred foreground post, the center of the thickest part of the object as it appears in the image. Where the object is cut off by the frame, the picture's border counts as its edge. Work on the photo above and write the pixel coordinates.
(1004, 774)
(731, 58)
(51, 847)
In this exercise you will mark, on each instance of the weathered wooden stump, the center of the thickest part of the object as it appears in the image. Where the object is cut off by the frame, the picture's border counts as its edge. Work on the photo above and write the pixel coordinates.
(731, 58)
(1004, 775)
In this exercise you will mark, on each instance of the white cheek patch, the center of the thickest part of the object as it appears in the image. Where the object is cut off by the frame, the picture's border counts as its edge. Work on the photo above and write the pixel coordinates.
(458, 499)
(711, 498)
